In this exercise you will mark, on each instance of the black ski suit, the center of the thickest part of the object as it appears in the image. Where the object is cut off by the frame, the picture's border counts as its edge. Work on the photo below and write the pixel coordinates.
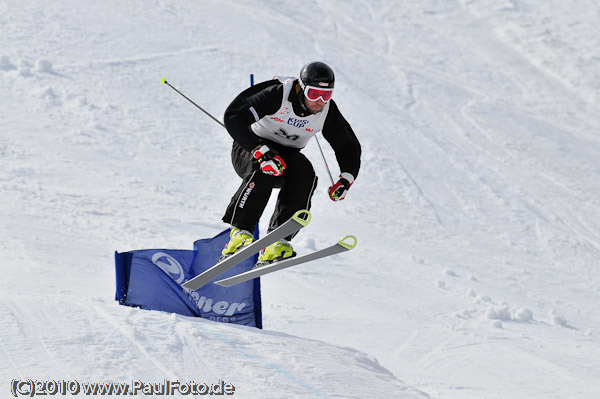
(299, 180)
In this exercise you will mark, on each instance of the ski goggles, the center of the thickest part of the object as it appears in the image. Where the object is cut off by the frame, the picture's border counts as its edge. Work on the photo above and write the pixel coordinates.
(315, 93)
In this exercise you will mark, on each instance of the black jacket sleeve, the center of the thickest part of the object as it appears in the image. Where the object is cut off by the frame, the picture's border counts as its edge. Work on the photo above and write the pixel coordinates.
(341, 137)
(250, 106)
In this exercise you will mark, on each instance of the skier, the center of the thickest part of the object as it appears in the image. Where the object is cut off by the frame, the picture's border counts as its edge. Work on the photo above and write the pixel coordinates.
(270, 123)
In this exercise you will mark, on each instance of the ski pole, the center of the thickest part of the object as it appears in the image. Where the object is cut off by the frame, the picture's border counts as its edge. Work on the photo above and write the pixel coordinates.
(164, 80)
(324, 160)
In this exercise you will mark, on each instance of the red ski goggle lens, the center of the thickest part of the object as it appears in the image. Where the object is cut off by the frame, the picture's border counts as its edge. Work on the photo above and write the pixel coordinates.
(314, 93)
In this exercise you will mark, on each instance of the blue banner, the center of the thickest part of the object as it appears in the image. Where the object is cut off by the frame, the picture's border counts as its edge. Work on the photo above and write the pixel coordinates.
(152, 278)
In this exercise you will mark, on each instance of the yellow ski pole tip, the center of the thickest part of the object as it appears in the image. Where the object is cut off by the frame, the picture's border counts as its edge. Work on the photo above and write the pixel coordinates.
(163, 80)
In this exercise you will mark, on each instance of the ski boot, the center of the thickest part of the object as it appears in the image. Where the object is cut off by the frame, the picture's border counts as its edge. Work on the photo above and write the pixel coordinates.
(280, 250)
(237, 239)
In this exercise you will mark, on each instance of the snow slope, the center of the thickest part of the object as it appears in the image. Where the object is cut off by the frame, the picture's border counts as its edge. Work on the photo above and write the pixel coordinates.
(477, 209)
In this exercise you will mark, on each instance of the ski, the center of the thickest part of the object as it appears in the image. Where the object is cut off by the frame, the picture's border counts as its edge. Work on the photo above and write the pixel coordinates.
(341, 246)
(294, 224)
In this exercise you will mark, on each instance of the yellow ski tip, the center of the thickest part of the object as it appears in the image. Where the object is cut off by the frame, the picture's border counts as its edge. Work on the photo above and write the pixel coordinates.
(302, 220)
(163, 80)
(348, 245)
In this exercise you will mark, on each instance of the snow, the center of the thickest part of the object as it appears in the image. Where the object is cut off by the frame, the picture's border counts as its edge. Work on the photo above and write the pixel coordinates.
(477, 208)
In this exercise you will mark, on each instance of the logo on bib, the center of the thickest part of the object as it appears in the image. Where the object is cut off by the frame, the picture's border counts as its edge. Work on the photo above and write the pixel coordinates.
(297, 122)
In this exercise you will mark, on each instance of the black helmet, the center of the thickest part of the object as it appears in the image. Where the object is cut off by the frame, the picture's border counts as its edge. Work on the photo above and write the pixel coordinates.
(316, 74)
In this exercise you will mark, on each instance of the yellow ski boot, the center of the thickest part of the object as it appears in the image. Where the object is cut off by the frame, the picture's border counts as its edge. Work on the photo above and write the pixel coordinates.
(237, 239)
(275, 252)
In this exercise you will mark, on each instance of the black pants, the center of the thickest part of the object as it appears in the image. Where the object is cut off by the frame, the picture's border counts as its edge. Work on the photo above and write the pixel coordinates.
(297, 185)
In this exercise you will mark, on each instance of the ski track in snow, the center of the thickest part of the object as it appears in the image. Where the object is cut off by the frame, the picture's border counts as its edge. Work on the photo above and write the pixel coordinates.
(476, 209)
